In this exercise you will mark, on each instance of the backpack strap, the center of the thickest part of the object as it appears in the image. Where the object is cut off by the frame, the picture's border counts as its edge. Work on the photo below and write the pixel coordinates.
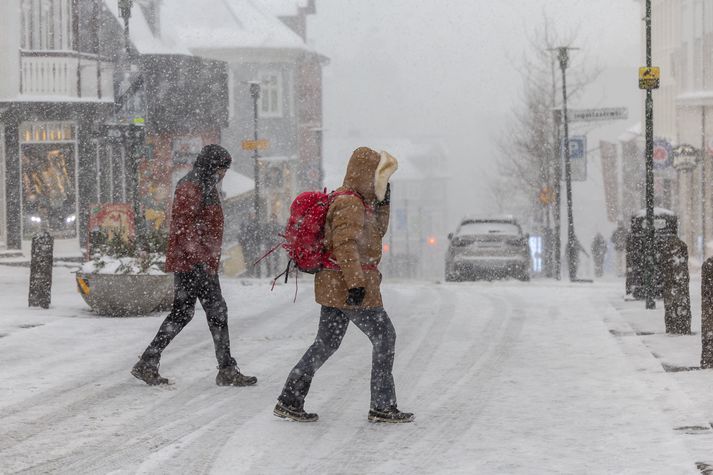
(335, 194)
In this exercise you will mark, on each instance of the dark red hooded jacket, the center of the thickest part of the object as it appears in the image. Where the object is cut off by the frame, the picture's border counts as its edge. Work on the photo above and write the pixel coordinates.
(196, 234)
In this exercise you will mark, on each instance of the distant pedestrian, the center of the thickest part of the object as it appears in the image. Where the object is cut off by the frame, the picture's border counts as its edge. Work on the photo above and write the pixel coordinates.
(619, 238)
(348, 289)
(194, 248)
(599, 252)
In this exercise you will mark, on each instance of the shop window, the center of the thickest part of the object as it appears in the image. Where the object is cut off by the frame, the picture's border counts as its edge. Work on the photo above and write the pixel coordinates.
(48, 176)
(38, 132)
(48, 190)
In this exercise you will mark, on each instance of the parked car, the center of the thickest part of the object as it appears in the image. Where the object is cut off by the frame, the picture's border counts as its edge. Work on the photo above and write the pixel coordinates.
(665, 227)
(488, 248)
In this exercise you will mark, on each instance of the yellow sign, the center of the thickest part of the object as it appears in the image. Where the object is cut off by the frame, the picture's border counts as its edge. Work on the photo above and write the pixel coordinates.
(649, 78)
(546, 196)
(261, 144)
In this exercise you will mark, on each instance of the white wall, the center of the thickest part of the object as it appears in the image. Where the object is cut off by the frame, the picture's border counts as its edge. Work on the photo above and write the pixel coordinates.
(9, 49)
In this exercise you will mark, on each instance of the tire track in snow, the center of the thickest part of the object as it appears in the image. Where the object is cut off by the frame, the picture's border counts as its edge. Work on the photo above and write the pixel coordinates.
(152, 419)
(199, 453)
(486, 354)
(346, 393)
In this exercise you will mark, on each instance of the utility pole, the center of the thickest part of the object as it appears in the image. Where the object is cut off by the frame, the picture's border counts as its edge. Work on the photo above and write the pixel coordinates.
(557, 162)
(133, 134)
(255, 94)
(704, 153)
(572, 248)
(650, 236)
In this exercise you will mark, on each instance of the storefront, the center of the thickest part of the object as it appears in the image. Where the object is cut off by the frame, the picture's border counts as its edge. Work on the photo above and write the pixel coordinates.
(48, 184)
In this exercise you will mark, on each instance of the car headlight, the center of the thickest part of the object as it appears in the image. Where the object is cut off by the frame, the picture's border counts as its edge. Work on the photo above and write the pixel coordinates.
(70, 219)
(35, 219)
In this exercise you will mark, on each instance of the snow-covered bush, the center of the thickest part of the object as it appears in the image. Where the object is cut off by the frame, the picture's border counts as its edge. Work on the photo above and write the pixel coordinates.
(118, 255)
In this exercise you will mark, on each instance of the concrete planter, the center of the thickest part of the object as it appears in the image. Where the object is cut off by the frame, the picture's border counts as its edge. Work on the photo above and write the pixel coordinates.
(123, 295)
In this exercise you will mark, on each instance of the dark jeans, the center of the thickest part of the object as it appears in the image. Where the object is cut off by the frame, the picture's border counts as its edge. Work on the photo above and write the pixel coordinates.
(333, 322)
(189, 286)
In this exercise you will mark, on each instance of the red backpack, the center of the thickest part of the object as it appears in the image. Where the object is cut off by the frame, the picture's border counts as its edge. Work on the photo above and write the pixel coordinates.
(304, 234)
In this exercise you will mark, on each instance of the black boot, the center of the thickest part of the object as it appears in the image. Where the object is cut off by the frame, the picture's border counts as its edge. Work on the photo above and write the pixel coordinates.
(392, 414)
(231, 376)
(296, 414)
(147, 372)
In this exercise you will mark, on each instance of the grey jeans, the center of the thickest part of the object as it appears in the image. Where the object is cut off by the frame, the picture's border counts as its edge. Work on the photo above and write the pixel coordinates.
(333, 323)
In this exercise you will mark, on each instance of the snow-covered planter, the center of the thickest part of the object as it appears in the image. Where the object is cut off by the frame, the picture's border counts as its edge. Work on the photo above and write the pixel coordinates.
(121, 281)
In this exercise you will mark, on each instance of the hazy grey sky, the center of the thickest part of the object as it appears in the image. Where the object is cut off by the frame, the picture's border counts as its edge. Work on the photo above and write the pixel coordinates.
(445, 67)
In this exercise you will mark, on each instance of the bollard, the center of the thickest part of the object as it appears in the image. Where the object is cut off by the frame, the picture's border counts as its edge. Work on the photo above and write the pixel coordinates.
(41, 270)
(676, 293)
(707, 314)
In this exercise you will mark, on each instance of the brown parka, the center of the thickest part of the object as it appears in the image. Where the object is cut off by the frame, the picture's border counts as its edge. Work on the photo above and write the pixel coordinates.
(354, 230)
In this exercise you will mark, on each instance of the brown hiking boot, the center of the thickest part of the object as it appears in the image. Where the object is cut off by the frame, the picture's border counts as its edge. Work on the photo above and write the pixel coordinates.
(296, 414)
(148, 373)
(231, 376)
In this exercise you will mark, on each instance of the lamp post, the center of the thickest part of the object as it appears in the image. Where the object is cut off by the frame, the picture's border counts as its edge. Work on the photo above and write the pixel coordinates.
(133, 134)
(572, 248)
(255, 94)
(650, 237)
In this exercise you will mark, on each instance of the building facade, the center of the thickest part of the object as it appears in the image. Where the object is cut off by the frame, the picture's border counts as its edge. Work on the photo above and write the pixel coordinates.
(682, 45)
(262, 49)
(86, 120)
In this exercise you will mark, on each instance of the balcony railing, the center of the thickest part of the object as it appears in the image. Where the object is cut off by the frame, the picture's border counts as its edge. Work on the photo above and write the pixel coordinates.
(65, 74)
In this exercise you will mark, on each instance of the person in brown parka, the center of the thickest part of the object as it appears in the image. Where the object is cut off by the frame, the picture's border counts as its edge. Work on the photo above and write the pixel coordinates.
(348, 288)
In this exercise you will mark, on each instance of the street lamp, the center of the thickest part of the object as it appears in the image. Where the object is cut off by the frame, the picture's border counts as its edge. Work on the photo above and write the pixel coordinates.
(572, 248)
(255, 94)
(133, 134)
(650, 237)
(125, 13)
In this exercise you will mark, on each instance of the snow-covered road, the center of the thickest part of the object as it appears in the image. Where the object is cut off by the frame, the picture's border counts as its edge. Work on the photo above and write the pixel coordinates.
(503, 377)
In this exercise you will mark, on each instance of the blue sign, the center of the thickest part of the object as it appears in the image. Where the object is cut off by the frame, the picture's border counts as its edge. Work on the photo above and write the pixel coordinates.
(577, 157)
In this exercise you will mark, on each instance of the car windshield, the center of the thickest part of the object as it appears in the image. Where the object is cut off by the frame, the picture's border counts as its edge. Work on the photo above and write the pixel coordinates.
(494, 228)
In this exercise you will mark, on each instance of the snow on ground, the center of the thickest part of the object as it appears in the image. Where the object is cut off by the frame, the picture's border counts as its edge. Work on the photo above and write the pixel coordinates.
(504, 377)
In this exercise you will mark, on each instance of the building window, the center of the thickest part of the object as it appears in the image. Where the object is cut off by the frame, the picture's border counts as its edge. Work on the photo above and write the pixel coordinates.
(48, 178)
(46, 24)
(270, 95)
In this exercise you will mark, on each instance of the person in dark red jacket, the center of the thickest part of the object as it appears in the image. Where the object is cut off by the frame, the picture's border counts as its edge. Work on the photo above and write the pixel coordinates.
(193, 254)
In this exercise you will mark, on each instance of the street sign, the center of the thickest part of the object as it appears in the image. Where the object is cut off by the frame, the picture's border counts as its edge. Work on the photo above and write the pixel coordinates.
(663, 154)
(546, 196)
(577, 157)
(596, 115)
(261, 144)
(649, 78)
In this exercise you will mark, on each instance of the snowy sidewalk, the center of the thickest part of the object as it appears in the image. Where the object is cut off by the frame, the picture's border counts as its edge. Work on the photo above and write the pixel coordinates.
(504, 377)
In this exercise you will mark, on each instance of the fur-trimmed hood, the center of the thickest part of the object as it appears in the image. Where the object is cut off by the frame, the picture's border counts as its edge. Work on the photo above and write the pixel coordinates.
(368, 173)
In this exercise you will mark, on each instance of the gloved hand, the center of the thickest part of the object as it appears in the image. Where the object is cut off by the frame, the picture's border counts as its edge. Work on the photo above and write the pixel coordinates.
(387, 196)
(356, 296)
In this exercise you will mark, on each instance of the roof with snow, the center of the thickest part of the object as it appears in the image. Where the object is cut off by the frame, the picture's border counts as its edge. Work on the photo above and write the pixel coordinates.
(141, 35)
(227, 24)
(657, 212)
